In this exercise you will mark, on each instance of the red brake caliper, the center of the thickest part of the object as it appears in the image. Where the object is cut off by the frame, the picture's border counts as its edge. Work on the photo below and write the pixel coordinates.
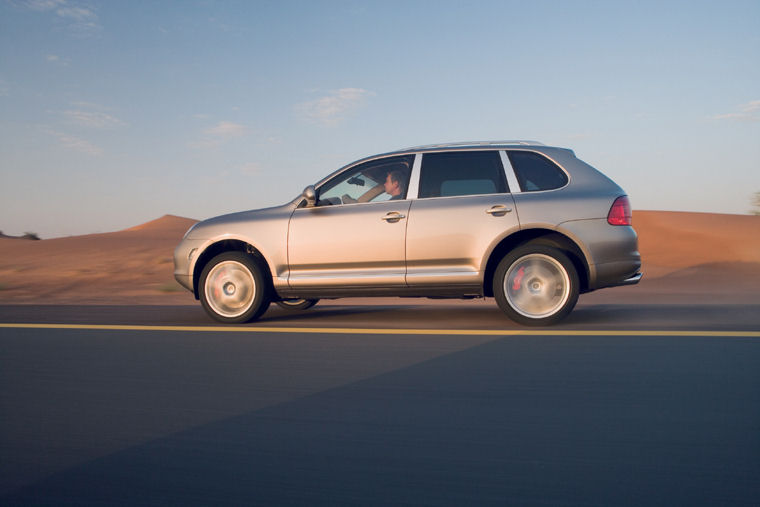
(518, 279)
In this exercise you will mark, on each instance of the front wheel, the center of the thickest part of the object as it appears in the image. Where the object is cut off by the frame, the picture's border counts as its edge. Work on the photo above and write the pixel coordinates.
(233, 289)
(536, 285)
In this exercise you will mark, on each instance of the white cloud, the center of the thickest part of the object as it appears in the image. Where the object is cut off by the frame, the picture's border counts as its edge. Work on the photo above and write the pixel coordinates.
(76, 143)
(82, 21)
(79, 14)
(86, 105)
(226, 130)
(220, 133)
(752, 106)
(332, 109)
(43, 5)
(93, 119)
(746, 112)
(57, 60)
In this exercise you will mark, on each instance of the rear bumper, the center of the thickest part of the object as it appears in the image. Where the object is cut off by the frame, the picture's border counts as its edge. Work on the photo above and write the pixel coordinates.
(611, 252)
(615, 274)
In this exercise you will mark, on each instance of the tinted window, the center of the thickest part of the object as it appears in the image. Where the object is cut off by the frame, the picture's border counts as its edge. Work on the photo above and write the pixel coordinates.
(461, 173)
(367, 182)
(536, 172)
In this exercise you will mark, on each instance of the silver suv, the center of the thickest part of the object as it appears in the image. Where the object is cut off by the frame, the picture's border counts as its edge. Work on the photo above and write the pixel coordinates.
(528, 224)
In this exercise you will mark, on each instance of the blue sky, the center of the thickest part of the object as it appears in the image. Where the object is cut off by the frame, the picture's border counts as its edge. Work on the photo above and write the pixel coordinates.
(115, 113)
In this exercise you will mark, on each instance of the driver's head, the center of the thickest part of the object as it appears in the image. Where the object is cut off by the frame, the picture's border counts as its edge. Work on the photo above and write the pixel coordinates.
(393, 183)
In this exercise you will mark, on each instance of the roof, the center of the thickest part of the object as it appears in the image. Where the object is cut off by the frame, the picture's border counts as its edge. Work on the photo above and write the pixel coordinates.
(475, 144)
(464, 145)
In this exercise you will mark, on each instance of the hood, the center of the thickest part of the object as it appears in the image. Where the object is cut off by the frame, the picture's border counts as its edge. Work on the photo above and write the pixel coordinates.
(212, 227)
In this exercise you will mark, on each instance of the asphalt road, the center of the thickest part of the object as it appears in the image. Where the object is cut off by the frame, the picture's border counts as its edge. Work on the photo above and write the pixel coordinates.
(203, 417)
(594, 312)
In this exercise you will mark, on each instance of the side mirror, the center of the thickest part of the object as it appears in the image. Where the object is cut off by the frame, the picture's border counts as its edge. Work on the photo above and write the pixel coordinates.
(310, 195)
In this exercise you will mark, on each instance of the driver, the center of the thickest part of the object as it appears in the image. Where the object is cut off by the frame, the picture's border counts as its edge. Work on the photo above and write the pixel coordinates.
(394, 185)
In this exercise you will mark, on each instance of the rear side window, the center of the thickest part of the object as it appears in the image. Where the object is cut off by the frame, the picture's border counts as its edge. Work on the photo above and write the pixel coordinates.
(536, 172)
(461, 173)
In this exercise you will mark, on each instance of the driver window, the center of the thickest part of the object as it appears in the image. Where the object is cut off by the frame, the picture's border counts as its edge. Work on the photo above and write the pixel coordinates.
(378, 180)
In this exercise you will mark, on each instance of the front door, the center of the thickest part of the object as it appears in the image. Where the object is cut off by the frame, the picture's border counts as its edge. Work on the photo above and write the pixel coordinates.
(355, 236)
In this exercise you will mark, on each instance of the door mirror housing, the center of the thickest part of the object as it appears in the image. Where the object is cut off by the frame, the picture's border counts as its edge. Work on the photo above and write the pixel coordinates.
(310, 195)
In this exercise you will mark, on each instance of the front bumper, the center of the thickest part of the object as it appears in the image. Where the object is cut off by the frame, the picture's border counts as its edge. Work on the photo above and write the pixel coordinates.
(185, 256)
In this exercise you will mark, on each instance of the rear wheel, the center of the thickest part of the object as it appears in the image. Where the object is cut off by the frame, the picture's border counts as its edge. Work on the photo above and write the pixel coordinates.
(536, 285)
(233, 288)
(296, 304)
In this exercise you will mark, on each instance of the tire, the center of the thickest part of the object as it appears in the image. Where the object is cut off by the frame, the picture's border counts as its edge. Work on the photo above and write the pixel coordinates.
(296, 304)
(233, 289)
(536, 285)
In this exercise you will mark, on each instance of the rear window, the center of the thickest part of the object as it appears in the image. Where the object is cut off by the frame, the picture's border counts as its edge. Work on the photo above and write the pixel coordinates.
(461, 173)
(536, 172)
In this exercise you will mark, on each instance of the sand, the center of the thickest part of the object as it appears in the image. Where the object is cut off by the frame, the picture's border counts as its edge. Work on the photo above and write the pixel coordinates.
(671, 241)
(133, 266)
(687, 257)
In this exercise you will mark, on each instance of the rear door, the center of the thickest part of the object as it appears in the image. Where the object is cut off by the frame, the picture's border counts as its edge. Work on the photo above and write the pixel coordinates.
(463, 208)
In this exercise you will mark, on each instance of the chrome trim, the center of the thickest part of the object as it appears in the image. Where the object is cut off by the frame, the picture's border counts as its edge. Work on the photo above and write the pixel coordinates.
(499, 210)
(632, 280)
(393, 216)
(512, 183)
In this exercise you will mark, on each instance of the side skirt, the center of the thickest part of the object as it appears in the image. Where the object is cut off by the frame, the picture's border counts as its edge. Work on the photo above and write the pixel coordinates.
(462, 292)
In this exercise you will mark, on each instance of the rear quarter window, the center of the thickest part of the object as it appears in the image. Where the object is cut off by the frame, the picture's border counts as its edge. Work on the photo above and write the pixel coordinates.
(536, 172)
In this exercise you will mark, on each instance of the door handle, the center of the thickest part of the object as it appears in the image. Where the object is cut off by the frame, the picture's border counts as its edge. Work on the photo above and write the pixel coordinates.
(393, 216)
(498, 210)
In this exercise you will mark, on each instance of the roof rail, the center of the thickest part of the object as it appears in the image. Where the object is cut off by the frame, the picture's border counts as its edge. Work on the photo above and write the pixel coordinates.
(468, 144)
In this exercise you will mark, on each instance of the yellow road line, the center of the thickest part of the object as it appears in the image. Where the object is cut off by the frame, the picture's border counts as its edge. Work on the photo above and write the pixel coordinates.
(370, 331)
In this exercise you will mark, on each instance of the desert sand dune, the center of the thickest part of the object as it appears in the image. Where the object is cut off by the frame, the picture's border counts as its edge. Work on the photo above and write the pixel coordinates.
(130, 266)
(671, 241)
(700, 254)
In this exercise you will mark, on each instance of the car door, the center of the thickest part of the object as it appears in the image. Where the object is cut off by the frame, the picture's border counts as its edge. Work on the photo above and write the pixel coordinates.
(463, 208)
(355, 236)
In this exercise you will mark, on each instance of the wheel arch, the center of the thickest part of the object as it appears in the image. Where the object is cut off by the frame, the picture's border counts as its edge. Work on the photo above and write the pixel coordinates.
(539, 236)
(228, 245)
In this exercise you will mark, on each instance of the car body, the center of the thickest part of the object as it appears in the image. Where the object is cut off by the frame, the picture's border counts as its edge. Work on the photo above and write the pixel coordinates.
(528, 224)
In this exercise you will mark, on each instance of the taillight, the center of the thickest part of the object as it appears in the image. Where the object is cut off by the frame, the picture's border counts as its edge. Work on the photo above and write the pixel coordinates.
(620, 212)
